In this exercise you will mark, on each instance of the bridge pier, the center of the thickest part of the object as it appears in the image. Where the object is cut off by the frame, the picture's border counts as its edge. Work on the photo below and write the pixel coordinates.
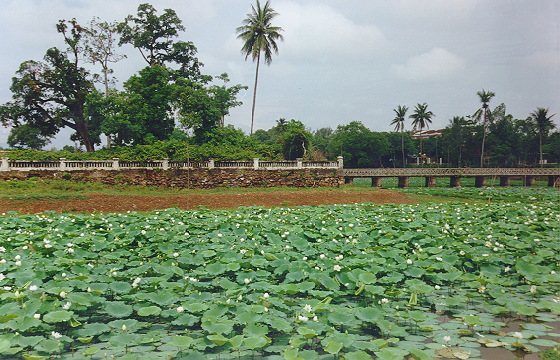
(554, 180)
(480, 181)
(349, 180)
(404, 181)
(431, 181)
(505, 181)
(455, 181)
(376, 181)
(528, 180)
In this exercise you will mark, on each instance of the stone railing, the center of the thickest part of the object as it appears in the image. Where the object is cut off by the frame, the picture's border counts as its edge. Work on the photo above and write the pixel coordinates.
(165, 164)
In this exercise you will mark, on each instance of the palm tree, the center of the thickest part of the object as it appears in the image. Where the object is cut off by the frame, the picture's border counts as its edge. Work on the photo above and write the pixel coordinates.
(485, 97)
(259, 35)
(398, 121)
(544, 124)
(421, 119)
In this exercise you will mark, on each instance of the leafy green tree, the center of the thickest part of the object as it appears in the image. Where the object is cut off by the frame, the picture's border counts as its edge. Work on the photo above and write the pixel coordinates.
(295, 140)
(27, 136)
(321, 138)
(258, 36)
(153, 36)
(421, 119)
(543, 123)
(398, 121)
(51, 95)
(485, 97)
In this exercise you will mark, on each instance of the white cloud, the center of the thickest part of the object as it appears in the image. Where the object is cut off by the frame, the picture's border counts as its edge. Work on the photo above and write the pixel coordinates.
(444, 11)
(317, 32)
(436, 65)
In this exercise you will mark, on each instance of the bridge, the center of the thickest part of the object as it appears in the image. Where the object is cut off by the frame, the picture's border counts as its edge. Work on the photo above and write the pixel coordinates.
(528, 175)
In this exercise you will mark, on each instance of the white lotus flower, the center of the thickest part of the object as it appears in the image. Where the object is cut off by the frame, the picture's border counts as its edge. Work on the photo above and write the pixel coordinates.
(409, 262)
(266, 296)
(56, 335)
(37, 316)
(180, 309)
(247, 280)
(123, 327)
(2, 249)
(67, 305)
(437, 287)
(18, 257)
(384, 301)
(175, 254)
(507, 269)
(447, 338)
(2, 276)
(307, 308)
(337, 268)
(533, 289)
(62, 294)
(518, 335)
(303, 318)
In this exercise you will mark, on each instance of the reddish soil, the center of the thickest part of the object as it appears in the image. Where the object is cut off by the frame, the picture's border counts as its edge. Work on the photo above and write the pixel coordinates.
(96, 202)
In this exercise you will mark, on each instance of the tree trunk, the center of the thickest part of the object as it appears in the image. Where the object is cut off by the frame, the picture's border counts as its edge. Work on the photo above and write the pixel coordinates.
(483, 140)
(402, 143)
(540, 147)
(82, 130)
(255, 92)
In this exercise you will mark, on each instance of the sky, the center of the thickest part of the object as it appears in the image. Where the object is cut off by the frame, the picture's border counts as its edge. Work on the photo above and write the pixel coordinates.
(341, 60)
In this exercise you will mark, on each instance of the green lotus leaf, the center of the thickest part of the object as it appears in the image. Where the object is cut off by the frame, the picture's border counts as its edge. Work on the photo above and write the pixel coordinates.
(255, 342)
(218, 327)
(254, 329)
(58, 316)
(124, 339)
(118, 309)
(90, 351)
(391, 353)
(333, 347)
(149, 311)
(219, 340)
(48, 346)
(357, 355)
(120, 287)
(195, 307)
(4, 345)
(306, 332)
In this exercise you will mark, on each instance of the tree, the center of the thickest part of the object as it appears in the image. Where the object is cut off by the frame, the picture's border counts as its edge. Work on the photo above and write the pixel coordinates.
(485, 97)
(99, 47)
(153, 36)
(544, 124)
(258, 36)
(28, 136)
(398, 121)
(295, 140)
(421, 119)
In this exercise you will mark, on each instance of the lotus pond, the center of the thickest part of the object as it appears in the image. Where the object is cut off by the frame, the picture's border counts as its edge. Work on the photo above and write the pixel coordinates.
(324, 282)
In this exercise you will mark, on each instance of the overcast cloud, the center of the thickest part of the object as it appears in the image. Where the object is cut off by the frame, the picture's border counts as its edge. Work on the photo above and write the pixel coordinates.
(341, 60)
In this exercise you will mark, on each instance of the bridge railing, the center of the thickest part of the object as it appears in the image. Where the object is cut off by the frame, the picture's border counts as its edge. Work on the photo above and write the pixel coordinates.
(447, 172)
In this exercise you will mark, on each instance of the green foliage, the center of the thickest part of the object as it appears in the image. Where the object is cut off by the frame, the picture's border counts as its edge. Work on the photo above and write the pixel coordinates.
(28, 136)
(174, 283)
(295, 140)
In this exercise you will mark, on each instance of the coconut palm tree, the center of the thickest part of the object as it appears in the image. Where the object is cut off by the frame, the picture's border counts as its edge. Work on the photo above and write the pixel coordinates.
(485, 97)
(398, 121)
(259, 36)
(542, 121)
(421, 119)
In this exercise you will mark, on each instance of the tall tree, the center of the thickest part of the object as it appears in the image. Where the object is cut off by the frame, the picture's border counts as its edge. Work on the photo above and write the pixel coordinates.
(421, 119)
(543, 123)
(398, 121)
(52, 95)
(485, 97)
(99, 47)
(258, 36)
(153, 36)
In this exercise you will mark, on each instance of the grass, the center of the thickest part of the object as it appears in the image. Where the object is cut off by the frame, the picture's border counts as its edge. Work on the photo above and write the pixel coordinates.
(39, 189)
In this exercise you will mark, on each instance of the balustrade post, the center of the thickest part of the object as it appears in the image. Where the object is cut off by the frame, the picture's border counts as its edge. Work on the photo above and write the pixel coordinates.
(165, 164)
(62, 164)
(210, 163)
(340, 160)
(115, 163)
(299, 163)
(255, 163)
(5, 164)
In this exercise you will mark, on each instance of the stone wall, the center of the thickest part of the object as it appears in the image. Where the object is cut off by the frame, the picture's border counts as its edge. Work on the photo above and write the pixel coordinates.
(199, 178)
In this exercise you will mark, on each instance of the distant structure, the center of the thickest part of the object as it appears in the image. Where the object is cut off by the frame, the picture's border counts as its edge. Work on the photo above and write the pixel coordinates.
(424, 134)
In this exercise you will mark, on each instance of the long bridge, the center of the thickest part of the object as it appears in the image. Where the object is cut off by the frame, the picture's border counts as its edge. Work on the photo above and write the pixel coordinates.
(481, 175)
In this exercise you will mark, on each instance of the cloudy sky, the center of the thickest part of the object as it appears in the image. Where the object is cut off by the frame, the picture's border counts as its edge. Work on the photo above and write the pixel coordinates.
(342, 60)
